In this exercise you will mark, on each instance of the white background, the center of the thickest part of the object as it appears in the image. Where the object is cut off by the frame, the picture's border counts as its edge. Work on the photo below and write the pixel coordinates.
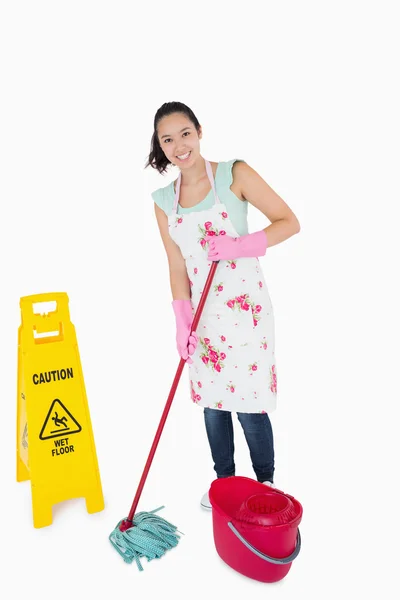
(305, 92)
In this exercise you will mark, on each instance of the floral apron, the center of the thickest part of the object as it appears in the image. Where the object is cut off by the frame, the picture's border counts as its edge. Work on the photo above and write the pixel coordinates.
(233, 365)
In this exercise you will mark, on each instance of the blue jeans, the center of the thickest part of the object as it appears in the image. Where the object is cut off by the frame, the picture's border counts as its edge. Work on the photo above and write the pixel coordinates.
(259, 437)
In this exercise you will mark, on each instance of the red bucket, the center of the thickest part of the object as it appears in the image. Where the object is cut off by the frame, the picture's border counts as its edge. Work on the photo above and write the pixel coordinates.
(255, 527)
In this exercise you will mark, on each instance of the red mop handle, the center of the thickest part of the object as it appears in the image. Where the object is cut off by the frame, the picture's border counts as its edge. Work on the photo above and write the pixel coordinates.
(127, 523)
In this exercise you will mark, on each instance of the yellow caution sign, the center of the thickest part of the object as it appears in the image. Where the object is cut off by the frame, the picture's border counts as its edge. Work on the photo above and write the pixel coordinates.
(55, 444)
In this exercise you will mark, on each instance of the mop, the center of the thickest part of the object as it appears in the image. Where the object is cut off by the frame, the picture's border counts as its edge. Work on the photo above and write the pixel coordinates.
(145, 534)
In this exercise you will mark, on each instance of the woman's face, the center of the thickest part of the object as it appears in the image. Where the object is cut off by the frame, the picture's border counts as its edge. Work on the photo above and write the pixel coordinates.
(178, 137)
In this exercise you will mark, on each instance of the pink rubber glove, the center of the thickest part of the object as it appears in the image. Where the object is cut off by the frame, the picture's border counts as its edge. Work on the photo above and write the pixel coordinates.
(186, 340)
(224, 247)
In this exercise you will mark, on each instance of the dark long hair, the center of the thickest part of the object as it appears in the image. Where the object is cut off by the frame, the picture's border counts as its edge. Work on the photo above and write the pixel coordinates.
(157, 159)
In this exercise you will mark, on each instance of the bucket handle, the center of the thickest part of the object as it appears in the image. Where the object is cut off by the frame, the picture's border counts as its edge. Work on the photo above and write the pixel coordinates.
(275, 561)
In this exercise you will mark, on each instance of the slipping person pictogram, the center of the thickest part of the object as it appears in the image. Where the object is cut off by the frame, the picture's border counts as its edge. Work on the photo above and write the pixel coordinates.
(59, 422)
(56, 422)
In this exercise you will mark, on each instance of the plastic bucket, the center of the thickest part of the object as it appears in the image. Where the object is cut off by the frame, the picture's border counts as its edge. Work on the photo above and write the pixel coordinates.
(255, 527)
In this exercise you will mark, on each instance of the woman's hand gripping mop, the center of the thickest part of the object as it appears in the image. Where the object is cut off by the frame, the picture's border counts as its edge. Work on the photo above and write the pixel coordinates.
(144, 534)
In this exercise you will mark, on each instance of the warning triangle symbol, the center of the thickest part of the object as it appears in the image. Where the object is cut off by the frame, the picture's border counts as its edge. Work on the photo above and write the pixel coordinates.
(59, 421)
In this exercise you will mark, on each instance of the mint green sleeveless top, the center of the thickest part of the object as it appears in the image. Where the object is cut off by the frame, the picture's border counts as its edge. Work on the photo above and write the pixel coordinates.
(237, 209)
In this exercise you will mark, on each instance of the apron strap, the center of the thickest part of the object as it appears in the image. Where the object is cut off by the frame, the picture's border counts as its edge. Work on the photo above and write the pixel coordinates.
(210, 177)
(178, 189)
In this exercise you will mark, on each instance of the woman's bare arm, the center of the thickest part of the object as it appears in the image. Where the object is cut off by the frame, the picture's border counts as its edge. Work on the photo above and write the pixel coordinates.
(179, 280)
(255, 190)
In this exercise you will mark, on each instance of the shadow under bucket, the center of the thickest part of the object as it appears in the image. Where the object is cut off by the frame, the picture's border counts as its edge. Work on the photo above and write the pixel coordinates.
(255, 527)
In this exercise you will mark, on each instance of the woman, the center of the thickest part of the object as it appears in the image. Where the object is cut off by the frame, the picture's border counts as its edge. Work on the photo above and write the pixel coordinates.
(202, 217)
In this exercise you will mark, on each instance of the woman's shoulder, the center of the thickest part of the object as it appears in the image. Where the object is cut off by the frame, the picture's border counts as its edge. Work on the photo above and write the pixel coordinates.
(226, 170)
(229, 178)
(163, 198)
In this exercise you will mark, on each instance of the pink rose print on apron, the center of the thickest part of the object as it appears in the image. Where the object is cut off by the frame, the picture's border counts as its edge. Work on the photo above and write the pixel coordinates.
(234, 364)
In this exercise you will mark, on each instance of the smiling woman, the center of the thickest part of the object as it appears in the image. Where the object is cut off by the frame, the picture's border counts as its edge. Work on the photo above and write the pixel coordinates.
(177, 144)
(203, 218)
(185, 133)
